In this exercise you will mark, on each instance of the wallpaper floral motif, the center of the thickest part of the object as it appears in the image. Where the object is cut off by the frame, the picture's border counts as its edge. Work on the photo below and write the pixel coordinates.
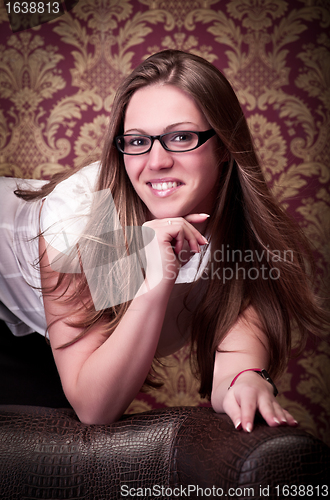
(57, 84)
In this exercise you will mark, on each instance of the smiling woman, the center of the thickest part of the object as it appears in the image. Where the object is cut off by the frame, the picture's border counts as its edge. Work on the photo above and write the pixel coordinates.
(128, 248)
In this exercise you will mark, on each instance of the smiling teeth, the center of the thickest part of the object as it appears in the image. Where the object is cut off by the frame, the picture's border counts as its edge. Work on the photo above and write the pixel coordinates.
(161, 186)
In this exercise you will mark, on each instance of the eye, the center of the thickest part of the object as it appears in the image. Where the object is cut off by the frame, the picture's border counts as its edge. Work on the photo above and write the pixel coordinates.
(182, 137)
(138, 141)
(181, 141)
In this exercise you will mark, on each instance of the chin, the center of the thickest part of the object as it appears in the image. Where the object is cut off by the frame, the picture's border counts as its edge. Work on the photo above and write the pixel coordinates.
(167, 214)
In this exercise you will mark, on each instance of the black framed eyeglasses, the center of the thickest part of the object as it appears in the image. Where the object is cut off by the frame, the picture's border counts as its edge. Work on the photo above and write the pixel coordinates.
(175, 142)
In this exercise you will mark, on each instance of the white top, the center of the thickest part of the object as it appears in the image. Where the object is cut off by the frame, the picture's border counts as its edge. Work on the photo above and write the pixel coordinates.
(62, 218)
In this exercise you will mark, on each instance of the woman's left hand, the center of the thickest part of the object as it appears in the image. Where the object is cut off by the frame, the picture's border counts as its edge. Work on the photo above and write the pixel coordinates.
(250, 394)
(244, 349)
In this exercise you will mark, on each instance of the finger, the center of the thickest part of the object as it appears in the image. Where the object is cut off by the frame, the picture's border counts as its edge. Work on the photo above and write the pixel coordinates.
(196, 218)
(179, 241)
(290, 419)
(284, 417)
(186, 232)
(194, 239)
(233, 410)
(274, 414)
(271, 412)
(248, 409)
(280, 415)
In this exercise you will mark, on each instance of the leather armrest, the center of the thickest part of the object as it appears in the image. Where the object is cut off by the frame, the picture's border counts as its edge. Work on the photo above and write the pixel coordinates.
(48, 453)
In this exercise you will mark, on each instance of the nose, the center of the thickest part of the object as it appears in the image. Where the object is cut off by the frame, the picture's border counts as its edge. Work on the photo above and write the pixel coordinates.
(158, 157)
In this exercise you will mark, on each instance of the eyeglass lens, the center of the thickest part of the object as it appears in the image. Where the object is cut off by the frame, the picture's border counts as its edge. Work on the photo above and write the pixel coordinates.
(173, 141)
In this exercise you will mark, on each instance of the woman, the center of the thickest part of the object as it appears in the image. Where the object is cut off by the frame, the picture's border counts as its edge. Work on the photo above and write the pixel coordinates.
(179, 162)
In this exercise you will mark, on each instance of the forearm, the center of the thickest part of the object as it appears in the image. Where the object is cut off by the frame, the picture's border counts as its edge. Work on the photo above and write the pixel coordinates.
(113, 374)
(245, 347)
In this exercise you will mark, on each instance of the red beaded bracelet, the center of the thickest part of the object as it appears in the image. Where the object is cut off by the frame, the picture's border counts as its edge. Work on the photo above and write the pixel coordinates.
(263, 373)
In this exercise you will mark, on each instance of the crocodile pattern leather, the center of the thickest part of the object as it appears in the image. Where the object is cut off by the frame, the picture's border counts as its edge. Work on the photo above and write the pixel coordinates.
(209, 449)
(47, 453)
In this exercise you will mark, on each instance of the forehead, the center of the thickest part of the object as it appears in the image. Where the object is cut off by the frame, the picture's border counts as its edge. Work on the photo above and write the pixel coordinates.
(153, 108)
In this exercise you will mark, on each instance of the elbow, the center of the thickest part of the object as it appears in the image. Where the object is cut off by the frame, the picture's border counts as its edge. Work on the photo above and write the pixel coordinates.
(93, 406)
(91, 412)
(94, 420)
(88, 416)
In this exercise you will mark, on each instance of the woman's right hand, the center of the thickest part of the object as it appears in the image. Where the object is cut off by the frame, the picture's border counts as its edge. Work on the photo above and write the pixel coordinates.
(176, 237)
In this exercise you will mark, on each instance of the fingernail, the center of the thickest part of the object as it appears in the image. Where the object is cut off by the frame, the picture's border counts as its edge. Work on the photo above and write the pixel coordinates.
(249, 427)
(296, 422)
(238, 426)
(205, 240)
(276, 420)
(204, 215)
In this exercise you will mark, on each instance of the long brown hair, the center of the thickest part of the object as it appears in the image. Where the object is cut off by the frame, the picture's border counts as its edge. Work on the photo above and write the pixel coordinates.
(251, 236)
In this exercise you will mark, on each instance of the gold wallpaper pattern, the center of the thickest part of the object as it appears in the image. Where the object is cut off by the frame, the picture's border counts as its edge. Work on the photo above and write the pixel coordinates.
(57, 84)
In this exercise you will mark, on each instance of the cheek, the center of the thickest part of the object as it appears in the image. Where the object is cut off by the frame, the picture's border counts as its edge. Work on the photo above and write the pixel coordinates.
(207, 168)
(133, 166)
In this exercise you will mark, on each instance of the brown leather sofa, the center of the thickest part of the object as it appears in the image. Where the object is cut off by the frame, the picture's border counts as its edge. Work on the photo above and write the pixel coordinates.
(187, 452)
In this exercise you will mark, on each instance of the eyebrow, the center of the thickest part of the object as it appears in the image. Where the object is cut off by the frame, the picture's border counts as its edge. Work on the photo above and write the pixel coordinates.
(166, 129)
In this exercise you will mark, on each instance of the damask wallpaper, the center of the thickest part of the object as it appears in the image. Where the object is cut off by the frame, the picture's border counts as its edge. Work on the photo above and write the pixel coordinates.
(57, 83)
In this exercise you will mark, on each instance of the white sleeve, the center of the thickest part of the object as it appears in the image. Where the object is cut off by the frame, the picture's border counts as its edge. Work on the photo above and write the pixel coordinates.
(66, 209)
